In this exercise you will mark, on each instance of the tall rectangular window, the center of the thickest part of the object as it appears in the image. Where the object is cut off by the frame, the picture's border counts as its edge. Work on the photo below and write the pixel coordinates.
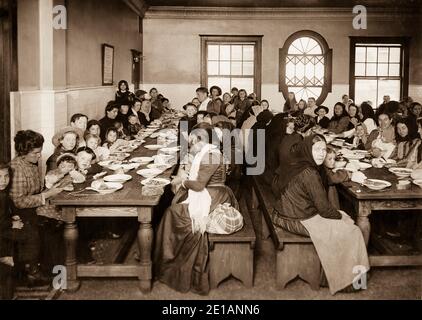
(378, 68)
(231, 62)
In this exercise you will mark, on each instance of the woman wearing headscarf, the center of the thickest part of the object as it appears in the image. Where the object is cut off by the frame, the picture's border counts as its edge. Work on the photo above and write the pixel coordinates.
(340, 120)
(407, 143)
(181, 250)
(303, 208)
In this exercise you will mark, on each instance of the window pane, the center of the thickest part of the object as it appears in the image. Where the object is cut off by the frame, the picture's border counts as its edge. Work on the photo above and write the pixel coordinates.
(305, 93)
(359, 69)
(212, 67)
(371, 54)
(212, 52)
(395, 54)
(313, 47)
(309, 71)
(248, 69)
(236, 68)
(366, 90)
(389, 87)
(382, 70)
(224, 68)
(237, 53)
(300, 70)
(223, 83)
(243, 83)
(224, 52)
(360, 54)
(371, 69)
(290, 70)
(319, 71)
(394, 70)
(248, 53)
(382, 54)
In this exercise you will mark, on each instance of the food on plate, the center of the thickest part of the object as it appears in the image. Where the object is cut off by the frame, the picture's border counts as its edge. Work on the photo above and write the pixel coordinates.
(375, 184)
(152, 191)
(154, 182)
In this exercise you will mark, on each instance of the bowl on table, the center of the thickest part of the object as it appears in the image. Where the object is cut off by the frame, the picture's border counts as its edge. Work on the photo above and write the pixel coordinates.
(149, 173)
(121, 178)
(375, 184)
(155, 182)
(154, 147)
(142, 160)
(105, 187)
(401, 172)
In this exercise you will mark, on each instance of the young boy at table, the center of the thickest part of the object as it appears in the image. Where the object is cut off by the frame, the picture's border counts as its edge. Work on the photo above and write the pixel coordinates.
(360, 137)
(134, 126)
(9, 231)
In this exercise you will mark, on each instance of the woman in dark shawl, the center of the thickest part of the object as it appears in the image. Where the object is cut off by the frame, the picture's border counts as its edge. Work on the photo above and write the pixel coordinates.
(303, 208)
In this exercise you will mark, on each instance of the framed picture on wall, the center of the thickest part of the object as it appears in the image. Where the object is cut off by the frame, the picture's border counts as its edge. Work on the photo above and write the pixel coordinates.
(107, 64)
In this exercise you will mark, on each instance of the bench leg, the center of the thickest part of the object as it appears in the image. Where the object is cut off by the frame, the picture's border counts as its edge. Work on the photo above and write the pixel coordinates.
(311, 267)
(298, 260)
(285, 266)
(234, 259)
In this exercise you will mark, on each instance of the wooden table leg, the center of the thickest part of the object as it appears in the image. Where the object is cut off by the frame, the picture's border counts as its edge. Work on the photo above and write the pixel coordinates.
(71, 240)
(362, 221)
(145, 238)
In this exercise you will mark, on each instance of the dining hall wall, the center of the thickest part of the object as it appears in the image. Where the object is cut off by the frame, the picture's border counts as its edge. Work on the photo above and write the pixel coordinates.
(172, 45)
(60, 71)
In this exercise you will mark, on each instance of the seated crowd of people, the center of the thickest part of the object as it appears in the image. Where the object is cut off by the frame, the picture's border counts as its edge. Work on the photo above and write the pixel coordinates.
(298, 167)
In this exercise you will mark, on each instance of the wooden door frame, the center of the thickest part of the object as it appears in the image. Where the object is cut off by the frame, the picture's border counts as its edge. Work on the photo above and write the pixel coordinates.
(8, 71)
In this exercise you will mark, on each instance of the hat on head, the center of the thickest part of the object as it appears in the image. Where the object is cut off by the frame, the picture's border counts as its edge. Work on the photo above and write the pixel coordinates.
(219, 118)
(65, 155)
(59, 135)
(321, 107)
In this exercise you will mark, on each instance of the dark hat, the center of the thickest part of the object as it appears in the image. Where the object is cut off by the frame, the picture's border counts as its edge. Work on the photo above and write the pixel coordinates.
(321, 107)
(140, 93)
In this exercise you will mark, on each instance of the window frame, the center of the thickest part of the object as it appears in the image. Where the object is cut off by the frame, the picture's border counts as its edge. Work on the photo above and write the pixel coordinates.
(221, 39)
(404, 61)
(327, 52)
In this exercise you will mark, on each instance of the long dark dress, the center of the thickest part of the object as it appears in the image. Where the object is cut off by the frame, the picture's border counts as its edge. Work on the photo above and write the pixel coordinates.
(181, 257)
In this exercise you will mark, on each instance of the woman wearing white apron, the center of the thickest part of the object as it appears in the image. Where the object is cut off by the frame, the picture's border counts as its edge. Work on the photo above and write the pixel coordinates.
(303, 208)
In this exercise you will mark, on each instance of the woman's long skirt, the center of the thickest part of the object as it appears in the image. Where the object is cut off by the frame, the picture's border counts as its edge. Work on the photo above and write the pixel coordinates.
(180, 257)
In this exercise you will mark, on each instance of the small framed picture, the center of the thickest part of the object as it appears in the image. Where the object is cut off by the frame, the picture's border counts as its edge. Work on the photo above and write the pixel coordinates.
(108, 64)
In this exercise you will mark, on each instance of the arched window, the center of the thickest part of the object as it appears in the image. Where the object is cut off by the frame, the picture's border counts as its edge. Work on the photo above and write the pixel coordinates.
(305, 66)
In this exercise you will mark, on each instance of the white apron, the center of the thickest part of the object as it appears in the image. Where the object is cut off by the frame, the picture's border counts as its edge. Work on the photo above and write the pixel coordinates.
(199, 202)
(340, 247)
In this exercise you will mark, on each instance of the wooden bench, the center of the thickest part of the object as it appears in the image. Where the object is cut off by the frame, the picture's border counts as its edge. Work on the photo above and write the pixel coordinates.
(295, 255)
(233, 254)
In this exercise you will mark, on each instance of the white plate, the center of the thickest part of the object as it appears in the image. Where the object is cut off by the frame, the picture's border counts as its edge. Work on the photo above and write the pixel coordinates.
(142, 160)
(121, 178)
(158, 166)
(112, 187)
(149, 173)
(418, 182)
(161, 182)
(154, 147)
(364, 165)
(354, 156)
(170, 150)
(381, 184)
(108, 163)
(401, 172)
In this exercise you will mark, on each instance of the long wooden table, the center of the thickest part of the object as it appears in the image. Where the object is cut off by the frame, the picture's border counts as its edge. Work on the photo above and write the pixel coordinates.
(129, 196)
(365, 201)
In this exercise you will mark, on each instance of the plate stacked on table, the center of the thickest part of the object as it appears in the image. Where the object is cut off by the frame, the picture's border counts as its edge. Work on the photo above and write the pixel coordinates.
(401, 172)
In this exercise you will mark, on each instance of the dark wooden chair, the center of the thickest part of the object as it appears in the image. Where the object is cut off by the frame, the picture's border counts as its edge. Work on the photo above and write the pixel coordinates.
(233, 254)
(295, 255)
